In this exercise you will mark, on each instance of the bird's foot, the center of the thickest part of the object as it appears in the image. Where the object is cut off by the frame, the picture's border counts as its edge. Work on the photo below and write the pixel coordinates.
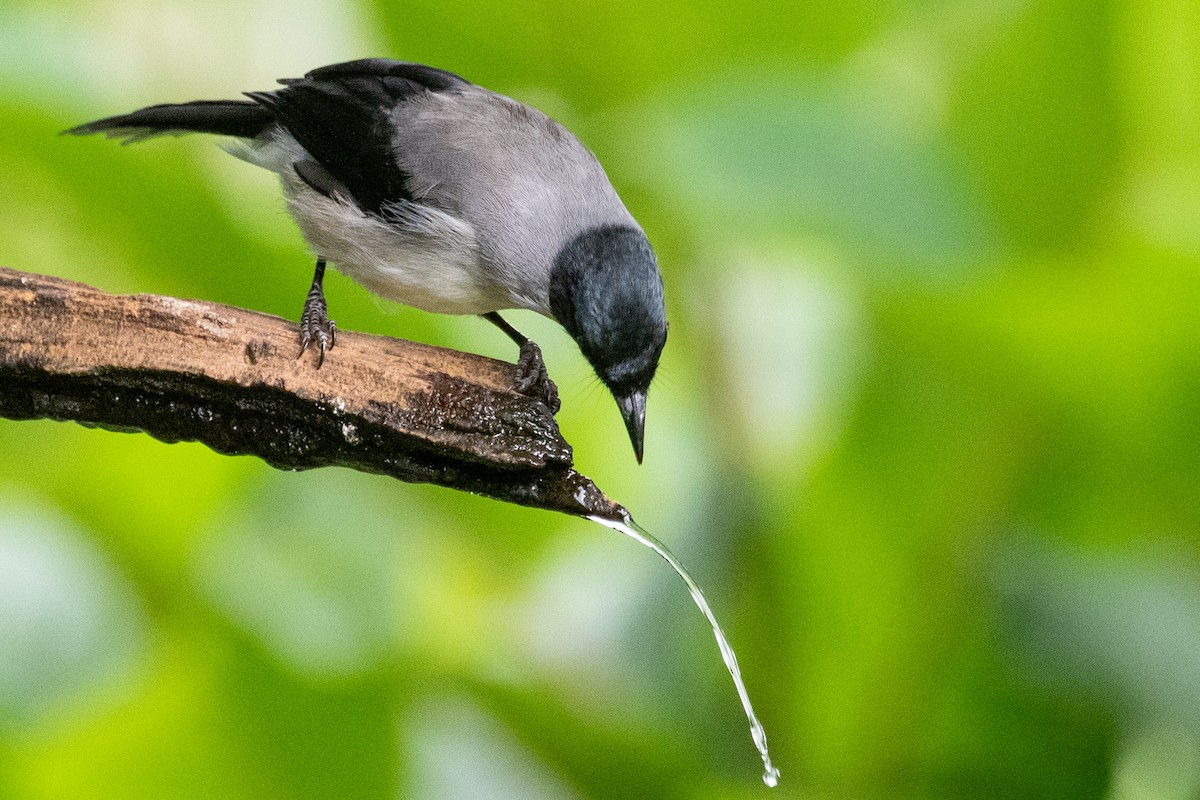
(316, 328)
(532, 378)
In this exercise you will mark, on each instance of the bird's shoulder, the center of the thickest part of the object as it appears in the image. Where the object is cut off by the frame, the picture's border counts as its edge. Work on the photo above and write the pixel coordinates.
(484, 146)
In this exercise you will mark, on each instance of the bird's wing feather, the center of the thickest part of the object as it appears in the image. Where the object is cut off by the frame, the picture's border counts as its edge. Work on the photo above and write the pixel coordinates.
(340, 115)
(430, 78)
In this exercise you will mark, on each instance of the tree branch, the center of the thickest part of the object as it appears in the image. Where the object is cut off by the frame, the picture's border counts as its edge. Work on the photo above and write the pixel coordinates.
(185, 370)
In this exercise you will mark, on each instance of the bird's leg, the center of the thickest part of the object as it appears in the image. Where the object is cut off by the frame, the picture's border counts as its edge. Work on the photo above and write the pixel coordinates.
(315, 324)
(532, 378)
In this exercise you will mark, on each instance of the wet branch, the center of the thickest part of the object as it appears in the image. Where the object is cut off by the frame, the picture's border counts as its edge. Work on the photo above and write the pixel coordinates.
(185, 370)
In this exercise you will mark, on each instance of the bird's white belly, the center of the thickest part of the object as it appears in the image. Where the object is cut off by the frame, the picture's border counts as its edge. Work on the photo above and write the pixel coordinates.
(429, 260)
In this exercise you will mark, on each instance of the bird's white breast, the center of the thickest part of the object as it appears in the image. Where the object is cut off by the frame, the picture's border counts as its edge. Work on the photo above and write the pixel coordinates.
(419, 256)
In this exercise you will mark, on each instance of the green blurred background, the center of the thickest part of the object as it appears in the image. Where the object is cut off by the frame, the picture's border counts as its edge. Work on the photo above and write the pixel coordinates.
(926, 429)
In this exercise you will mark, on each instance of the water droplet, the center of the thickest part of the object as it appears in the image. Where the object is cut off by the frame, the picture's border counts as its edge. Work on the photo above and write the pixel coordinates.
(631, 529)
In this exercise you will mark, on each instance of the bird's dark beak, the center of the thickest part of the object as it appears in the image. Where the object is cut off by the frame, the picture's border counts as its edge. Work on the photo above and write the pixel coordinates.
(633, 410)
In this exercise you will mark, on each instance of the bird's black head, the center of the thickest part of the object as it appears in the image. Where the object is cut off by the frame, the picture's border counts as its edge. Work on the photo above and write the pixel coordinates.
(606, 290)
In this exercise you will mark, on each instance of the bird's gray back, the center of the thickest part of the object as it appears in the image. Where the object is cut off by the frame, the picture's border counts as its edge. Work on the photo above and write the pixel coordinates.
(521, 180)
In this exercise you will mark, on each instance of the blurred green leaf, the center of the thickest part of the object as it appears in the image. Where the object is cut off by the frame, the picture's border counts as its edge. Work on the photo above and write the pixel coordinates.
(810, 154)
(1123, 632)
(69, 623)
(1037, 112)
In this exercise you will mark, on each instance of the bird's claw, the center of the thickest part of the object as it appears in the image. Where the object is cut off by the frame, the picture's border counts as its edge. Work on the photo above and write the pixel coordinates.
(533, 380)
(316, 328)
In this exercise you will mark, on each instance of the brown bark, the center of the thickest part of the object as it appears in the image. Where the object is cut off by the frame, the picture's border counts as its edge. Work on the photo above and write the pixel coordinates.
(186, 370)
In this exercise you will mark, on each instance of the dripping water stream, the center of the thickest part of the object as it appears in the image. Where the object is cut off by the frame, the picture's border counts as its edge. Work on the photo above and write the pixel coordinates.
(628, 527)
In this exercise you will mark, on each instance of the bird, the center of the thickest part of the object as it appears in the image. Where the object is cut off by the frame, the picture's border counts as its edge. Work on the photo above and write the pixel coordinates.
(440, 194)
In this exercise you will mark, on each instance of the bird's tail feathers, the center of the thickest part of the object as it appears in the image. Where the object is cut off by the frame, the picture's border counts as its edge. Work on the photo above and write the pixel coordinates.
(241, 118)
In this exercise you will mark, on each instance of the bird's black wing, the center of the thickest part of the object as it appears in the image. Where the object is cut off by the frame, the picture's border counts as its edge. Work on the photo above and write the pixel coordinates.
(340, 115)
